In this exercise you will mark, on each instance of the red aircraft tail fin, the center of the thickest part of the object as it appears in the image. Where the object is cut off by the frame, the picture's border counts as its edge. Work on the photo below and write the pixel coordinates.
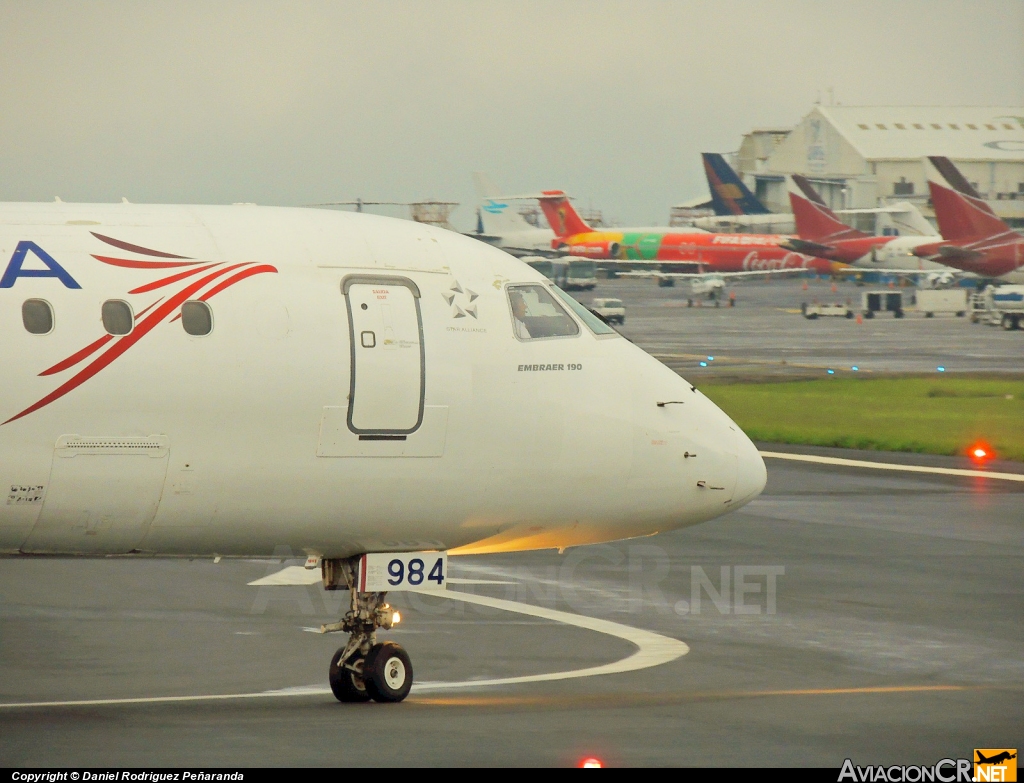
(814, 220)
(961, 212)
(563, 219)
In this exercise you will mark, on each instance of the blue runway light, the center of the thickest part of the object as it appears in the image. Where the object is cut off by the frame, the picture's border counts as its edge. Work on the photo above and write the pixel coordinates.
(940, 368)
(831, 372)
(703, 364)
(711, 358)
(855, 368)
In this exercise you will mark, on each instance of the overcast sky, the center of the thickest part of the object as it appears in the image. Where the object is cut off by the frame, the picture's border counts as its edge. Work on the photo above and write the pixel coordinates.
(298, 102)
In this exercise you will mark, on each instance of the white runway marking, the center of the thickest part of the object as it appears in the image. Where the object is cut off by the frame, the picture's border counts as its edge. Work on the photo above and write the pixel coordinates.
(652, 650)
(859, 463)
(290, 576)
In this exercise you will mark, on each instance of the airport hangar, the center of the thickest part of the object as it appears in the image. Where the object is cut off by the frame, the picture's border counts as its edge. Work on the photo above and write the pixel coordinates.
(862, 157)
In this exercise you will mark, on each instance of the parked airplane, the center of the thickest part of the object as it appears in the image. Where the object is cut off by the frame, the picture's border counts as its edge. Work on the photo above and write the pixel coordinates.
(208, 381)
(500, 224)
(669, 250)
(729, 194)
(736, 208)
(821, 233)
(973, 237)
(902, 218)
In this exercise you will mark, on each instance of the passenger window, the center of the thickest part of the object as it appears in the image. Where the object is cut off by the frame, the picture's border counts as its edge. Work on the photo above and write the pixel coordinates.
(536, 314)
(197, 318)
(37, 315)
(118, 317)
(595, 324)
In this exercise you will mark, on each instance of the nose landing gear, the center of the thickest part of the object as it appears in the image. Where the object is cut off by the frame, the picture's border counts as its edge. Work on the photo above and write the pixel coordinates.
(364, 669)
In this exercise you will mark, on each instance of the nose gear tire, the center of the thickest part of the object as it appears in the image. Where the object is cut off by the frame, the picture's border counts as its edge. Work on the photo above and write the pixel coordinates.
(346, 681)
(387, 672)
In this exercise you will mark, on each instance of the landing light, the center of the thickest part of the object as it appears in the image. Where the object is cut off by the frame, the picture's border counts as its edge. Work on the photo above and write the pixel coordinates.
(591, 763)
(396, 618)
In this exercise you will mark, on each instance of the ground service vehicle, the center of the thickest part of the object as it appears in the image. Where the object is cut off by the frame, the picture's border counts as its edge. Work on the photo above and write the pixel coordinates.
(951, 301)
(611, 310)
(882, 302)
(828, 310)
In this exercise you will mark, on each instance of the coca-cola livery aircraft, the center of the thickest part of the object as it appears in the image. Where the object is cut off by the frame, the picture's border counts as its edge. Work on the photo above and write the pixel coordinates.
(671, 250)
(228, 381)
(975, 239)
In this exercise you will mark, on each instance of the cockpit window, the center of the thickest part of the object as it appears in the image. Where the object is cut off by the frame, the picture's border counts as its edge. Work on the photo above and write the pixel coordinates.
(595, 324)
(536, 314)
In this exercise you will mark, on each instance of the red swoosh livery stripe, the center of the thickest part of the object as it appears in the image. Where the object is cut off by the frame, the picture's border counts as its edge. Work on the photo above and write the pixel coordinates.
(133, 248)
(91, 348)
(172, 279)
(235, 278)
(142, 312)
(75, 358)
(130, 263)
(124, 343)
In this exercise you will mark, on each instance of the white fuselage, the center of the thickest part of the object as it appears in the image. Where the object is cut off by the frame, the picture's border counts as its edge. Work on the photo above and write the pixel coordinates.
(281, 430)
(525, 242)
(899, 254)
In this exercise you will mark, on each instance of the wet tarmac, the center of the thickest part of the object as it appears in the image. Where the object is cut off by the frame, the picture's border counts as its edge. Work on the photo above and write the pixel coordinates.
(766, 335)
(846, 613)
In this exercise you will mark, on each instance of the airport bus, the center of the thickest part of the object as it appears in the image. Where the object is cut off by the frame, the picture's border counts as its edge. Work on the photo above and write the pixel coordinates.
(570, 273)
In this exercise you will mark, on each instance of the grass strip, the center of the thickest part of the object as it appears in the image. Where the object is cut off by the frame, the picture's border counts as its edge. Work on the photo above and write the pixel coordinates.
(934, 415)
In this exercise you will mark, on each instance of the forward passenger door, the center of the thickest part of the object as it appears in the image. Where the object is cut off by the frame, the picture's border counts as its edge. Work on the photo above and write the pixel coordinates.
(387, 379)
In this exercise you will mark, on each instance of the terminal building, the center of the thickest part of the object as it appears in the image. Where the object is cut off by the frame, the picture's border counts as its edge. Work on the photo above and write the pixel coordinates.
(869, 156)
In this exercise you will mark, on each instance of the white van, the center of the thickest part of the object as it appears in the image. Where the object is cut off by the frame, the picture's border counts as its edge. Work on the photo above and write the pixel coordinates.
(611, 310)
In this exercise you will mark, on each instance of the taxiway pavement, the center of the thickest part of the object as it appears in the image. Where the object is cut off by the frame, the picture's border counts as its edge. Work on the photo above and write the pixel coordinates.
(765, 335)
(895, 639)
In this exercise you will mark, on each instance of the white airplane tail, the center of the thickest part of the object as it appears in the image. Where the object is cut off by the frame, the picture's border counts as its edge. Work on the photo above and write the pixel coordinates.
(497, 216)
(907, 219)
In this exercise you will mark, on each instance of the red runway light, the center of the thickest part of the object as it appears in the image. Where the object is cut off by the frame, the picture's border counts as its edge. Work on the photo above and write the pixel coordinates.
(591, 763)
(980, 452)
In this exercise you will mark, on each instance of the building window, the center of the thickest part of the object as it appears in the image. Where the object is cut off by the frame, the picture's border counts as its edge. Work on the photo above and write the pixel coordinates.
(862, 126)
(936, 126)
(117, 316)
(197, 318)
(903, 188)
(972, 126)
(919, 126)
(954, 126)
(1008, 126)
(990, 126)
(37, 315)
(880, 126)
(1020, 187)
(901, 126)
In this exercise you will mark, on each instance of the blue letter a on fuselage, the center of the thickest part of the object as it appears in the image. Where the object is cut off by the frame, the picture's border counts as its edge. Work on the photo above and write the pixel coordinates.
(53, 269)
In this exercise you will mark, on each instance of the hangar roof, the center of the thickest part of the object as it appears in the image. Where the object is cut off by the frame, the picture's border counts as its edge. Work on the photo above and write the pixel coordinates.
(957, 132)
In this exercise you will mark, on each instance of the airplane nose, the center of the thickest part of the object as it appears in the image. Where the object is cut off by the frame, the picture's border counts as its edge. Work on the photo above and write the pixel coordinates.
(751, 474)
